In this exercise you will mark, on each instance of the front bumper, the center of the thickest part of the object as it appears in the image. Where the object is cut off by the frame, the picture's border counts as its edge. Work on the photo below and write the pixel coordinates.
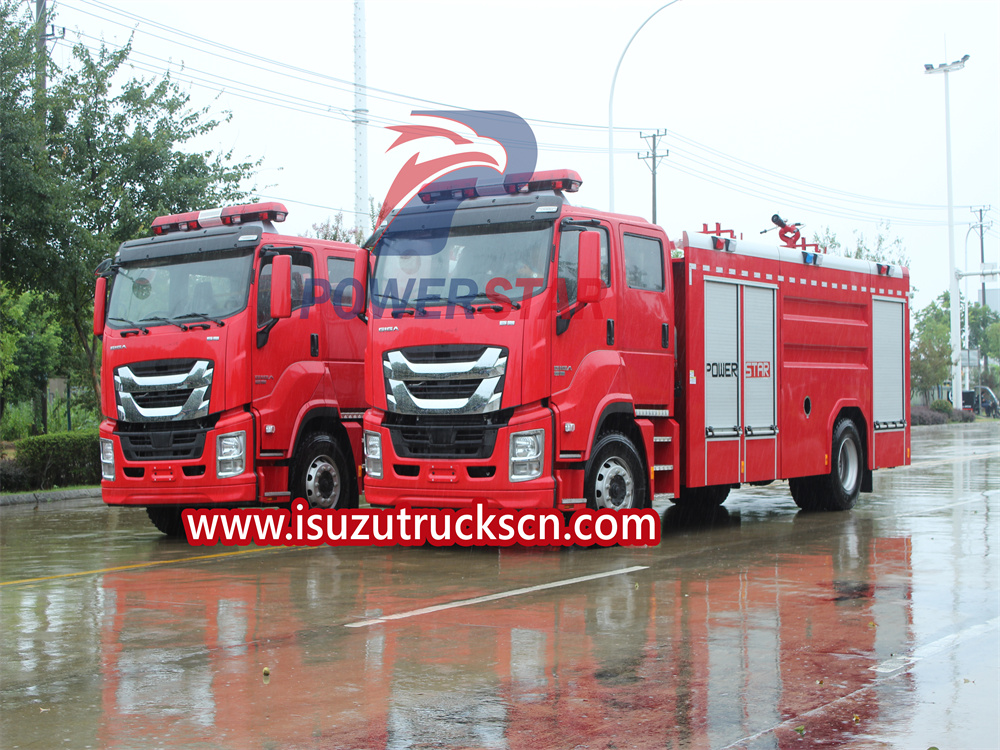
(458, 482)
(189, 482)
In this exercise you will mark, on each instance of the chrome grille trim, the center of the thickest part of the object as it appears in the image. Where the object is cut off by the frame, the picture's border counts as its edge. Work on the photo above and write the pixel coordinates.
(196, 384)
(488, 368)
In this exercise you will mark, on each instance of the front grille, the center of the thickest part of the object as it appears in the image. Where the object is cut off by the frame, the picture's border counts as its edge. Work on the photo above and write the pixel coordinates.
(452, 353)
(165, 390)
(162, 399)
(144, 442)
(161, 367)
(442, 388)
(445, 379)
(445, 437)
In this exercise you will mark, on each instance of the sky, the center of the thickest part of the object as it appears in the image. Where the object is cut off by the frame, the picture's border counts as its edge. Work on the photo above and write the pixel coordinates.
(818, 110)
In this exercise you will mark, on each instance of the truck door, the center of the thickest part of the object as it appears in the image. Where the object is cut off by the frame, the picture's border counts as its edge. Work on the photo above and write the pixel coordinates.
(581, 337)
(740, 397)
(723, 423)
(889, 354)
(644, 329)
(287, 364)
(758, 378)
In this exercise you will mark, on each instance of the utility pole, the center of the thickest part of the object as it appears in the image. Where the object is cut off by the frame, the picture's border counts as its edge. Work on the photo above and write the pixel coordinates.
(653, 158)
(45, 33)
(360, 122)
(982, 249)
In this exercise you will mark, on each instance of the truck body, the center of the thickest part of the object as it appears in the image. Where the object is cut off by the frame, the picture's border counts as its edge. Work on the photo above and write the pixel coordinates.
(533, 354)
(229, 377)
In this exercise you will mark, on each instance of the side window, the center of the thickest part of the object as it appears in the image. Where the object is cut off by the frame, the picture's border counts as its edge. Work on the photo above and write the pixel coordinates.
(643, 263)
(569, 256)
(339, 269)
(302, 285)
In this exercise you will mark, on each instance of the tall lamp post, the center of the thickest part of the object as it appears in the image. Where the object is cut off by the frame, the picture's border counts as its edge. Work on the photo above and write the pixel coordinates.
(956, 339)
(611, 112)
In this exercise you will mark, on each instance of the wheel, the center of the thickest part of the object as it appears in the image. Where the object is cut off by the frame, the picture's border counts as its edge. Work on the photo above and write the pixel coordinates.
(615, 478)
(321, 475)
(167, 519)
(712, 496)
(839, 489)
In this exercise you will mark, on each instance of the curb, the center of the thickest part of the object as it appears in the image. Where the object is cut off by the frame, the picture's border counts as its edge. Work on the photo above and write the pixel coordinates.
(48, 496)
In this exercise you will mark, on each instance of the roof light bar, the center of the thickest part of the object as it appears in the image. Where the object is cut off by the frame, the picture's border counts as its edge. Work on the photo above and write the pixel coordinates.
(565, 180)
(215, 217)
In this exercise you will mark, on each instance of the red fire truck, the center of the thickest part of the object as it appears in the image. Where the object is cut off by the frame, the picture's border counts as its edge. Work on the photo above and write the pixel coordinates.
(232, 366)
(534, 354)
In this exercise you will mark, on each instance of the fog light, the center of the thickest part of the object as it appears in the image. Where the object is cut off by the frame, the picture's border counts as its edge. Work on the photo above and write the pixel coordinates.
(230, 454)
(373, 454)
(526, 460)
(107, 459)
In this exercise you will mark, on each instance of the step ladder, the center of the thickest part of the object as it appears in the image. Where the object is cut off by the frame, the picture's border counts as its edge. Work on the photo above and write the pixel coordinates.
(666, 458)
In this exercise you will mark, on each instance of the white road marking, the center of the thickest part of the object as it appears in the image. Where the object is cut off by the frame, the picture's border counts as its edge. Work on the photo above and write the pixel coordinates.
(936, 647)
(492, 597)
(891, 669)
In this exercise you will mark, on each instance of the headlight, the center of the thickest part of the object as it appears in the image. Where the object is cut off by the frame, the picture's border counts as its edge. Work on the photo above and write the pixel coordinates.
(526, 455)
(230, 454)
(373, 454)
(107, 459)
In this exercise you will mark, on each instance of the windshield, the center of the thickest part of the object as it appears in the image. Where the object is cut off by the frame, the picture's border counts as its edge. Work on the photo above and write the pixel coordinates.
(461, 265)
(180, 288)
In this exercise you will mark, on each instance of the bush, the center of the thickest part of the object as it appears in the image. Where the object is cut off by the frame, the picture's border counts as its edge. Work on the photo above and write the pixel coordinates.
(16, 422)
(60, 459)
(943, 406)
(13, 478)
(960, 415)
(922, 415)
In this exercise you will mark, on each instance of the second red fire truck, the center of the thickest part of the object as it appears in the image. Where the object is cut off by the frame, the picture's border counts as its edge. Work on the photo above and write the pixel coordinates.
(232, 366)
(530, 353)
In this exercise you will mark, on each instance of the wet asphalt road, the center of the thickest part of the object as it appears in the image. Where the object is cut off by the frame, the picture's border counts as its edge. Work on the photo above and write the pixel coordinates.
(754, 627)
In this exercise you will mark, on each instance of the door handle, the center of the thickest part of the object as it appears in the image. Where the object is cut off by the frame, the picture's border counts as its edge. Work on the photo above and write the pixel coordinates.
(611, 332)
(314, 344)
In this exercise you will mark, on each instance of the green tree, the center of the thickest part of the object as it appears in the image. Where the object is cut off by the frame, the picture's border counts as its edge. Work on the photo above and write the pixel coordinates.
(885, 248)
(334, 229)
(104, 163)
(930, 346)
(36, 347)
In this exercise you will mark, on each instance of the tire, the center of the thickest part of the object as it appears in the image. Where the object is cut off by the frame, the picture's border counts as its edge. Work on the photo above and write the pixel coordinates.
(839, 489)
(708, 497)
(321, 474)
(167, 519)
(615, 478)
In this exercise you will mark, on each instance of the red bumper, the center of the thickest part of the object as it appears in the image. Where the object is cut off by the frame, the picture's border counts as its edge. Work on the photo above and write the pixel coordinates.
(190, 482)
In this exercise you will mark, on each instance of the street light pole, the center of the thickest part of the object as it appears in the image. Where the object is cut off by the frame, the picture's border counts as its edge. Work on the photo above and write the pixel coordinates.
(611, 110)
(956, 339)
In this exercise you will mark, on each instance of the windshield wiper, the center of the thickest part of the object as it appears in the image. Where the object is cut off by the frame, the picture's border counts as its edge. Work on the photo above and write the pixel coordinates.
(138, 328)
(495, 305)
(407, 309)
(450, 301)
(154, 319)
(203, 316)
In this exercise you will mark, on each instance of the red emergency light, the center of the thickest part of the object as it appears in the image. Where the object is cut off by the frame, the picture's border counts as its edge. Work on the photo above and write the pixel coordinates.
(565, 180)
(215, 217)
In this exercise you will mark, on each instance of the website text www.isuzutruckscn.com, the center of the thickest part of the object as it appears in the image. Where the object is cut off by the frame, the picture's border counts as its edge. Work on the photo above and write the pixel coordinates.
(479, 525)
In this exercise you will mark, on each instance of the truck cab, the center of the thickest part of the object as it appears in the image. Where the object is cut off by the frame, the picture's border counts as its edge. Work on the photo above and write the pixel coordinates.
(514, 338)
(232, 366)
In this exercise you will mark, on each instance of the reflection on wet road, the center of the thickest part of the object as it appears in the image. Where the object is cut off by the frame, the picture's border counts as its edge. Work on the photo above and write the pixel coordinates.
(753, 626)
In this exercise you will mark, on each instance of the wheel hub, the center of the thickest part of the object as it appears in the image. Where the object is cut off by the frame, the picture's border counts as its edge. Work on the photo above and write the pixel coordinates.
(322, 483)
(614, 487)
(849, 463)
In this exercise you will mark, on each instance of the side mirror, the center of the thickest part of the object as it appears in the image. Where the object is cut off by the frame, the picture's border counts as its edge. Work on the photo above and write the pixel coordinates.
(360, 282)
(588, 273)
(281, 286)
(100, 304)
